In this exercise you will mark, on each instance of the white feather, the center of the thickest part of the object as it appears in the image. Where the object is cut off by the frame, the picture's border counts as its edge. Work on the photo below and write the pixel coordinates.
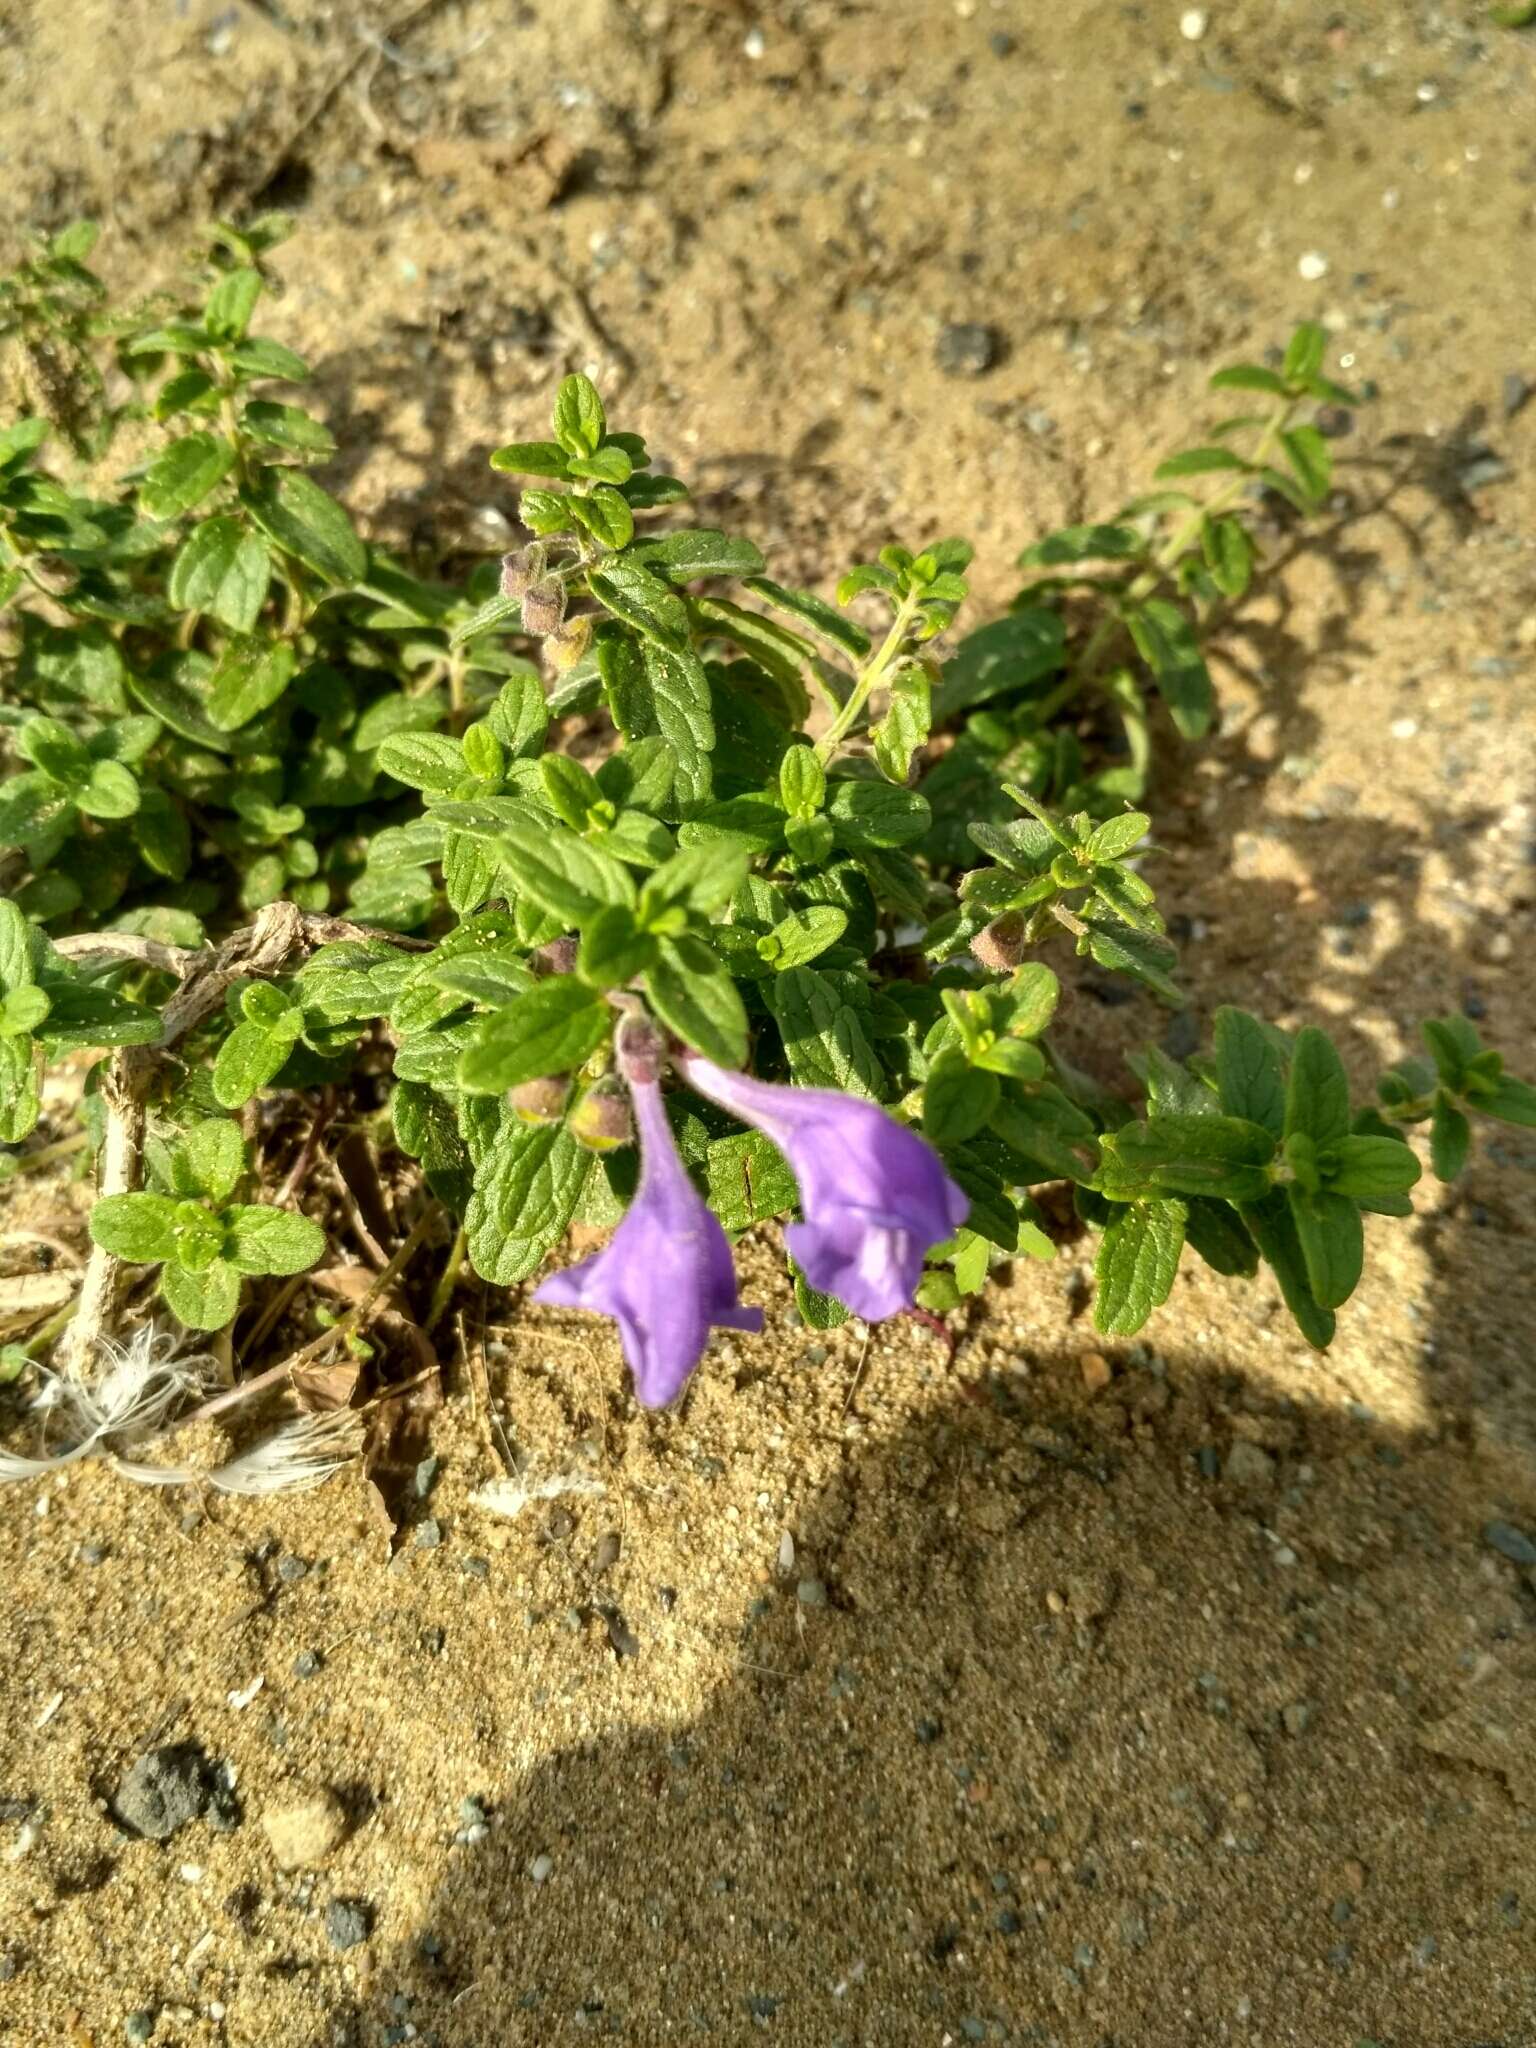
(140, 1384)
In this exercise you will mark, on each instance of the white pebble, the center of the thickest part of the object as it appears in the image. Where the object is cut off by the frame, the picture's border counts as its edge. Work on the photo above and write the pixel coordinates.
(541, 1869)
(756, 43)
(1403, 728)
(1193, 23)
(1313, 266)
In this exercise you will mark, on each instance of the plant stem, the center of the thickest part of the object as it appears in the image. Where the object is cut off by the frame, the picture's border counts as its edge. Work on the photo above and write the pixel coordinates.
(442, 1293)
(869, 677)
(45, 1155)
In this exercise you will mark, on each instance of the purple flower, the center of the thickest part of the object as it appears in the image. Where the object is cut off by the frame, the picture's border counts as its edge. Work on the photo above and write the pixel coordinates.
(874, 1195)
(666, 1275)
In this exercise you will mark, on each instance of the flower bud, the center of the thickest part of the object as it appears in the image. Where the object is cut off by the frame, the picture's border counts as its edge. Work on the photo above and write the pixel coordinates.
(1001, 945)
(541, 1101)
(555, 956)
(640, 1047)
(601, 1120)
(544, 606)
(566, 647)
(521, 570)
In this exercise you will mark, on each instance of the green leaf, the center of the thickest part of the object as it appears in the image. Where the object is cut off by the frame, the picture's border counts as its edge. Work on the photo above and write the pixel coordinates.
(1304, 353)
(605, 514)
(825, 1037)
(643, 601)
(1273, 1229)
(1188, 1155)
(803, 936)
(288, 427)
(223, 569)
(906, 724)
(111, 791)
(1332, 1241)
(1114, 839)
(701, 880)
(1450, 1140)
(614, 948)
(1248, 1072)
(214, 1151)
(958, 1100)
(1453, 1044)
(802, 782)
(1311, 458)
(1001, 658)
(1317, 1095)
(251, 676)
(423, 760)
(1370, 1166)
(231, 303)
(80, 1013)
(580, 422)
(552, 1029)
(610, 465)
(695, 998)
(185, 473)
(255, 357)
(21, 1011)
(51, 746)
(1229, 554)
(814, 612)
(20, 1104)
(1198, 462)
(1165, 639)
(697, 551)
(1511, 1101)
(875, 814)
(262, 1240)
(747, 1181)
(567, 876)
(203, 1301)
(532, 458)
(1216, 1232)
(1137, 1264)
(1097, 543)
(16, 968)
(251, 1056)
(301, 519)
(1248, 377)
(656, 691)
(526, 1190)
(141, 1228)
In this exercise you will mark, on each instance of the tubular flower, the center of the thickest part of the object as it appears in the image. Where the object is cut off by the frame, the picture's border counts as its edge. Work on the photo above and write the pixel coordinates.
(665, 1276)
(874, 1195)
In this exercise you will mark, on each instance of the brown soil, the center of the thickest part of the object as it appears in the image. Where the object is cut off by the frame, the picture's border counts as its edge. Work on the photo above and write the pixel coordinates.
(1043, 1734)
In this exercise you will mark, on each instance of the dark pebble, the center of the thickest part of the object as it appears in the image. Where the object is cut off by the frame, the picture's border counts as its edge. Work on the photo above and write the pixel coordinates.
(476, 1567)
(291, 1569)
(1209, 1462)
(10, 1965)
(667, 1595)
(1334, 422)
(1135, 110)
(93, 1553)
(429, 1947)
(928, 1732)
(621, 1637)
(1518, 393)
(307, 1664)
(162, 1791)
(429, 1533)
(140, 2025)
(1008, 1922)
(425, 1477)
(433, 1641)
(1472, 1004)
(1510, 1542)
(1001, 44)
(761, 2007)
(348, 1923)
(967, 348)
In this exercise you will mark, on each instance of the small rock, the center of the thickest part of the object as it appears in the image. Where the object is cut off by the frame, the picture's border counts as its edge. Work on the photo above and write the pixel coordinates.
(542, 1869)
(476, 1567)
(348, 1922)
(429, 1533)
(1297, 1717)
(303, 1833)
(811, 1593)
(162, 1791)
(1312, 266)
(1510, 1542)
(967, 348)
(1096, 1371)
(425, 1477)
(94, 1553)
(1518, 393)
(140, 2025)
(291, 1569)
(1247, 1465)
(622, 1639)
(1193, 23)
(307, 1664)
(1001, 44)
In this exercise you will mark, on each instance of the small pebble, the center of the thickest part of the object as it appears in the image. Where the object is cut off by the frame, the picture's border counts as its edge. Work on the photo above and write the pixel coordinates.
(1312, 266)
(1510, 1542)
(348, 1923)
(542, 1869)
(1297, 1718)
(966, 348)
(291, 1569)
(425, 1477)
(1517, 393)
(93, 1553)
(139, 2026)
(1001, 44)
(303, 1832)
(307, 1664)
(1193, 23)
(429, 1534)
(811, 1593)
(476, 1567)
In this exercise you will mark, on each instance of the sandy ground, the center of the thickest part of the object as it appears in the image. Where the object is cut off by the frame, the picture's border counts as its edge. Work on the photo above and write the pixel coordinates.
(920, 1702)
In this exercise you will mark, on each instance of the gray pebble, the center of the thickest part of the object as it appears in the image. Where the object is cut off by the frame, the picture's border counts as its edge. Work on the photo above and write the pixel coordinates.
(1182, 1037)
(542, 1869)
(966, 348)
(1510, 1542)
(476, 1567)
(348, 1923)
(93, 1553)
(140, 2025)
(307, 1664)
(425, 1477)
(1518, 393)
(1001, 44)
(291, 1569)
(1247, 1465)
(761, 2006)
(811, 1593)
(162, 1791)
(1297, 1717)
(1008, 1922)
(429, 1534)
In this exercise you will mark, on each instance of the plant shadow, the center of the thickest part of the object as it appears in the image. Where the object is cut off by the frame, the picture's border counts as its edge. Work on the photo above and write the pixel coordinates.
(1084, 1719)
